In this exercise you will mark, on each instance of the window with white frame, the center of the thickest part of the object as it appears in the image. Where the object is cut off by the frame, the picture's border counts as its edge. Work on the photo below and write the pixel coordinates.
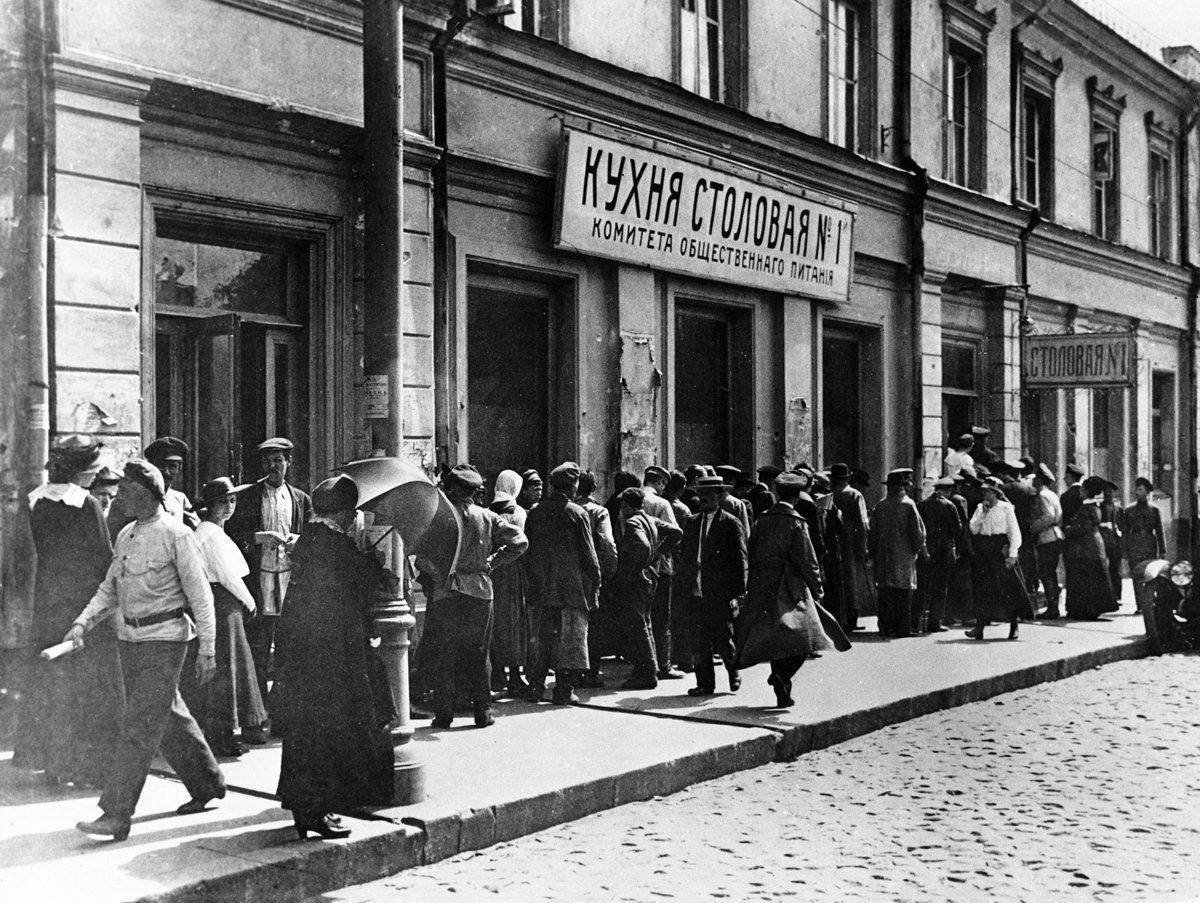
(1106, 160)
(843, 73)
(540, 17)
(966, 38)
(710, 47)
(1035, 140)
(1159, 184)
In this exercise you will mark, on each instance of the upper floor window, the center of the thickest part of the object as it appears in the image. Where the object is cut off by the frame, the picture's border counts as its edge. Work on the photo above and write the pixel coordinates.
(1035, 140)
(1106, 160)
(966, 36)
(540, 17)
(711, 49)
(1159, 197)
(843, 73)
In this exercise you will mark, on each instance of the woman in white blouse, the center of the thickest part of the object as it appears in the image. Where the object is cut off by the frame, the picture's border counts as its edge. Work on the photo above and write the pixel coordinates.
(999, 594)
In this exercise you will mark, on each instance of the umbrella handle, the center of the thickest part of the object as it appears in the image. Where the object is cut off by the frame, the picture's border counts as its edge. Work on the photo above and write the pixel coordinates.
(381, 538)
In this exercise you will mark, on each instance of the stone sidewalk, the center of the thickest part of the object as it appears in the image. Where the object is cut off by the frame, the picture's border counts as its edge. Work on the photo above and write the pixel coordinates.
(539, 766)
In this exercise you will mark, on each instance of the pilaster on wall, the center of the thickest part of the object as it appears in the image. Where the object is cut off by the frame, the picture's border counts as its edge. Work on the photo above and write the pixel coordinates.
(1141, 417)
(929, 356)
(95, 280)
(798, 382)
(641, 369)
(1080, 429)
(1003, 355)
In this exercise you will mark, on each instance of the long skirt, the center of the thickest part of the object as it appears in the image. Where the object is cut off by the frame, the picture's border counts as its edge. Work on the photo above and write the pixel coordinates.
(510, 626)
(999, 591)
(1089, 588)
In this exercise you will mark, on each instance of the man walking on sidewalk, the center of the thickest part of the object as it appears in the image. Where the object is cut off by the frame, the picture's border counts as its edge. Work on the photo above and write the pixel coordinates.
(1046, 528)
(654, 482)
(156, 578)
(712, 573)
(897, 538)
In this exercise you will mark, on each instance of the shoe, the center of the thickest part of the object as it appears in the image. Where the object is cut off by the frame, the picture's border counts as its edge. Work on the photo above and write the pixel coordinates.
(1013, 631)
(783, 692)
(685, 667)
(536, 693)
(591, 682)
(938, 628)
(669, 674)
(517, 688)
(484, 718)
(640, 683)
(105, 826)
(735, 680)
(1050, 614)
(227, 748)
(255, 735)
(565, 697)
(442, 721)
(198, 804)
(975, 633)
(323, 825)
(702, 691)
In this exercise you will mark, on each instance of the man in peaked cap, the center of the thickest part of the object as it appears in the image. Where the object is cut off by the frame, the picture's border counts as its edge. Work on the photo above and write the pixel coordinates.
(564, 574)
(167, 454)
(730, 502)
(654, 482)
(857, 587)
(269, 519)
(896, 540)
(980, 452)
(1141, 523)
(464, 601)
(1046, 530)
(943, 535)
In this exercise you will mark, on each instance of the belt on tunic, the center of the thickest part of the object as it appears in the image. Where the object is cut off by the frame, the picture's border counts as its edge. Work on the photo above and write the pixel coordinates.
(160, 618)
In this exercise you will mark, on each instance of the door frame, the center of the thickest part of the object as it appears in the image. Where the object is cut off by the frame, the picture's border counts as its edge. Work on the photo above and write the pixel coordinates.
(330, 317)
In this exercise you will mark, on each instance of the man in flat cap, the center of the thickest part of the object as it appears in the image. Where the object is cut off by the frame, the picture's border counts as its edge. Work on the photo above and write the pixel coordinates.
(270, 517)
(712, 575)
(157, 587)
(166, 454)
(654, 482)
(943, 535)
(564, 574)
(1141, 524)
(856, 579)
(896, 540)
(464, 601)
(1046, 530)
(531, 489)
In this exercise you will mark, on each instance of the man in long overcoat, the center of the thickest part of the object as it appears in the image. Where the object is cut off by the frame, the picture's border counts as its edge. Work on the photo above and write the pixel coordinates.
(897, 538)
(856, 579)
(564, 574)
(606, 555)
(943, 535)
(711, 575)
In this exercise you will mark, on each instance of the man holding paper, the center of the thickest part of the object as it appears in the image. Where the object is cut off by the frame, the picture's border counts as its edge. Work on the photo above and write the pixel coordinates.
(270, 516)
(154, 587)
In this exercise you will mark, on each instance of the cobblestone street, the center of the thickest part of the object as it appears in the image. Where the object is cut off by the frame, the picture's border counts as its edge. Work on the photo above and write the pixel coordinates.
(1080, 789)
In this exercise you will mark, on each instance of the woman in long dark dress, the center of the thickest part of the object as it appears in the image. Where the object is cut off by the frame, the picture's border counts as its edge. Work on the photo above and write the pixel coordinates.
(330, 702)
(1089, 588)
(510, 628)
(70, 711)
(996, 537)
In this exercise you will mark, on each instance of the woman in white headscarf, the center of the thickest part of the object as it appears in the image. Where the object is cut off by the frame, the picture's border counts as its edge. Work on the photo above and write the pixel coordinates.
(510, 631)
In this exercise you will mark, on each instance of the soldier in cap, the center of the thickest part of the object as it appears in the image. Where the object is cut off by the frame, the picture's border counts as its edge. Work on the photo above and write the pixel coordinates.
(68, 708)
(1141, 524)
(166, 454)
(858, 588)
(1046, 529)
(269, 519)
(896, 540)
(943, 535)
(980, 452)
(156, 585)
(564, 576)
(654, 482)
(712, 576)
(332, 704)
(531, 489)
(464, 600)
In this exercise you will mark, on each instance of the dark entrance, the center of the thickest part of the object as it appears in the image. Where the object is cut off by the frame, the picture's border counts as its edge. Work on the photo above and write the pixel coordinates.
(713, 379)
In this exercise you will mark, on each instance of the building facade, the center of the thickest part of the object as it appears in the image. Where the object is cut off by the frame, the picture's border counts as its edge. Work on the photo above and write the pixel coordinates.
(776, 232)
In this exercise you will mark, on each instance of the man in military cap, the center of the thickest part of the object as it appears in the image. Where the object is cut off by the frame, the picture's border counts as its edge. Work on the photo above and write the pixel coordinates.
(1141, 524)
(943, 535)
(654, 482)
(856, 579)
(564, 574)
(157, 586)
(896, 540)
(980, 453)
(270, 517)
(166, 454)
(464, 600)
(531, 489)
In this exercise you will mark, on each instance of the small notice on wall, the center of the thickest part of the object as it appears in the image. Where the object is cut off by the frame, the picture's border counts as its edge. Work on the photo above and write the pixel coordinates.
(377, 406)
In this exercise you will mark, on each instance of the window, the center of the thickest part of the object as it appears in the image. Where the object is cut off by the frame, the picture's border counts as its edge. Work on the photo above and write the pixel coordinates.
(1159, 198)
(1035, 148)
(540, 17)
(966, 36)
(843, 74)
(1106, 160)
(711, 49)
(960, 386)
(1163, 436)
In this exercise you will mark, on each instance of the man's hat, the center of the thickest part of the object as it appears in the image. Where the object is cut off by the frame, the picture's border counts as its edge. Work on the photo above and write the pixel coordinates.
(993, 484)
(278, 444)
(965, 439)
(166, 448)
(147, 475)
(567, 474)
(728, 473)
(1046, 474)
(860, 476)
(656, 473)
(634, 496)
(1143, 481)
(1074, 469)
(106, 476)
(943, 483)
(215, 490)
(821, 483)
(1027, 464)
(1093, 486)
(982, 472)
(803, 474)
(338, 493)
(839, 471)
(527, 476)
(768, 472)
(967, 474)
(711, 484)
(468, 477)
(901, 476)
(980, 431)
(693, 471)
(788, 480)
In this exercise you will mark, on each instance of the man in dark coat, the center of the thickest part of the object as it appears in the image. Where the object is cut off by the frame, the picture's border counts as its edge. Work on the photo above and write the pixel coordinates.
(960, 597)
(980, 453)
(331, 701)
(564, 574)
(943, 535)
(654, 482)
(270, 516)
(641, 541)
(1141, 524)
(1018, 489)
(856, 579)
(897, 539)
(711, 574)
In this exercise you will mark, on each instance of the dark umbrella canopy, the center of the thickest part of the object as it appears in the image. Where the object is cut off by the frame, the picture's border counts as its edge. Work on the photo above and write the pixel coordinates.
(399, 494)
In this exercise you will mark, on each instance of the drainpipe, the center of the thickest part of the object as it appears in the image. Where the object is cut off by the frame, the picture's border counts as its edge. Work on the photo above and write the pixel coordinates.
(916, 225)
(1023, 321)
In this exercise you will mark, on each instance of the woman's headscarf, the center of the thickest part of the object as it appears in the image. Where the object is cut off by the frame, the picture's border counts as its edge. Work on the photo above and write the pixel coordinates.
(510, 482)
(504, 501)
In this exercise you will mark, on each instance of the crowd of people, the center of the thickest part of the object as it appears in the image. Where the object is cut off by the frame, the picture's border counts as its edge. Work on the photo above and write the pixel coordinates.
(249, 614)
